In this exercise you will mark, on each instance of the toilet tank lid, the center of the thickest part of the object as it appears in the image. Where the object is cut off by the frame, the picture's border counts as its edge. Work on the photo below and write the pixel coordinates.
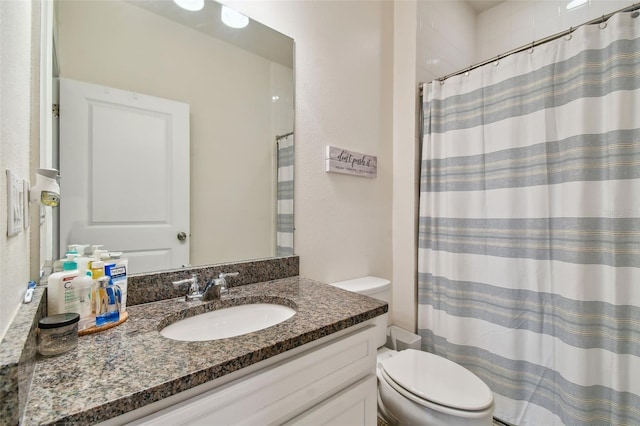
(364, 285)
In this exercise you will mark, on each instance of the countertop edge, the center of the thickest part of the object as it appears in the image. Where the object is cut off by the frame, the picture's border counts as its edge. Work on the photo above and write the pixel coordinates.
(18, 357)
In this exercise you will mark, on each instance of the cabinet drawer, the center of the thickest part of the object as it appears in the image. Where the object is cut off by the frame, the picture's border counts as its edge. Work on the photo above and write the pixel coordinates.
(280, 392)
(356, 405)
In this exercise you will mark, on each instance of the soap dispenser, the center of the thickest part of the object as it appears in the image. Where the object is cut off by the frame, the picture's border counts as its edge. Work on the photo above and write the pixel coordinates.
(59, 264)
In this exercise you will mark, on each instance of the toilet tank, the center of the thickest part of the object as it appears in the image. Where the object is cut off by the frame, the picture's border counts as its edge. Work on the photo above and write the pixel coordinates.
(379, 288)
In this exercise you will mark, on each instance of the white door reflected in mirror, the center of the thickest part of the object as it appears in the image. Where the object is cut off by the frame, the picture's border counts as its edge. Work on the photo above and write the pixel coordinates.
(124, 168)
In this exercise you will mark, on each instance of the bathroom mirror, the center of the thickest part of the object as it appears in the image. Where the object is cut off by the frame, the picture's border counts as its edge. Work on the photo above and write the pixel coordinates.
(237, 84)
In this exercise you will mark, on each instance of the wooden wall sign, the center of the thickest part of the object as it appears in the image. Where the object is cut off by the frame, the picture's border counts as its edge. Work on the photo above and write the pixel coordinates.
(351, 163)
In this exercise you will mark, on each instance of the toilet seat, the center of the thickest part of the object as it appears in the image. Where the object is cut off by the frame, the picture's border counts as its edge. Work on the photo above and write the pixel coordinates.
(428, 380)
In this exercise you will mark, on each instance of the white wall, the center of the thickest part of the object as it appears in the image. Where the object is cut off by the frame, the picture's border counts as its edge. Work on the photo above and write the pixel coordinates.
(432, 39)
(515, 23)
(343, 98)
(405, 166)
(446, 38)
(15, 135)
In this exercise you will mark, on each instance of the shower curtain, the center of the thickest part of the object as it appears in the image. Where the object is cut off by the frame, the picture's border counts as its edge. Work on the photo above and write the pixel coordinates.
(529, 233)
(284, 214)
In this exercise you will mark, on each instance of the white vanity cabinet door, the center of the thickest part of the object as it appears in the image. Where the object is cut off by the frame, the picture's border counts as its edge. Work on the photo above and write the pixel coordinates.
(356, 405)
(276, 394)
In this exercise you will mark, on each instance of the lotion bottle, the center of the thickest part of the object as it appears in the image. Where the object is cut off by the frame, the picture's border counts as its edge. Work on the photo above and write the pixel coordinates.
(58, 282)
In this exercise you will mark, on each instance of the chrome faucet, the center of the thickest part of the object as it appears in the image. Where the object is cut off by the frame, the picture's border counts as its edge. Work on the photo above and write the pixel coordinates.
(194, 289)
(217, 286)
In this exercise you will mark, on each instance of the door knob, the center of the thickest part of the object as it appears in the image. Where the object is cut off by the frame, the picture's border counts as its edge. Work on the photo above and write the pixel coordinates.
(182, 236)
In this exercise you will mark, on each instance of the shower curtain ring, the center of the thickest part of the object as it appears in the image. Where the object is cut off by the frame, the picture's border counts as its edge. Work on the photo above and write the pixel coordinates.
(568, 36)
(533, 43)
(603, 24)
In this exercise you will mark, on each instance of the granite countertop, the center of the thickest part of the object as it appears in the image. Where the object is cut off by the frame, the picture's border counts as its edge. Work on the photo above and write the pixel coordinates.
(131, 365)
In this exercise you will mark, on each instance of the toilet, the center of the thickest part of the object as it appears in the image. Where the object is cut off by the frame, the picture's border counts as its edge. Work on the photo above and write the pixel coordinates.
(417, 387)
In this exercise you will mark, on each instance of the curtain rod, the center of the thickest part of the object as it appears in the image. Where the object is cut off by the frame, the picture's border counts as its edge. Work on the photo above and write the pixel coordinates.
(538, 43)
(283, 136)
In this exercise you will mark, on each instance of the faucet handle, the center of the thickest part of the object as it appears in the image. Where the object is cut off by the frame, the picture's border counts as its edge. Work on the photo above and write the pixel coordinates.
(193, 280)
(194, 289)
(221, 281)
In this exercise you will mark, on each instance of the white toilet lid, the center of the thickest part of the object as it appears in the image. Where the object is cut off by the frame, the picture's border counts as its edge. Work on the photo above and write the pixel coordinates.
(438, 380)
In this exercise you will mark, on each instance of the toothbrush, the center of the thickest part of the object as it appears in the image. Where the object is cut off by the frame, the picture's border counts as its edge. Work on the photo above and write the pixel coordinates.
(28, 295)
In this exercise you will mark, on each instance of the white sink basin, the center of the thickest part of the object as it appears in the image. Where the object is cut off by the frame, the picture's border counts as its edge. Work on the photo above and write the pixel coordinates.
(227, 322)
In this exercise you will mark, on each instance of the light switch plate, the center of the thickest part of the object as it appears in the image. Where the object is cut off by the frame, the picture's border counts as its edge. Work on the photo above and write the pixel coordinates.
(15, 204)
(25, 203)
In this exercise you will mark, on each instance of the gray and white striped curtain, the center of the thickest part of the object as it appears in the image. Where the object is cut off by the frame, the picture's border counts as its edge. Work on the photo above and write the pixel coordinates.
(529, 236)
(284, 216)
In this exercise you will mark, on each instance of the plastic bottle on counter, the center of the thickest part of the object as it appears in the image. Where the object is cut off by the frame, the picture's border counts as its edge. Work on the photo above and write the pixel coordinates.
(82, 286)
(57, 283)
(97, 269)
(58, 265)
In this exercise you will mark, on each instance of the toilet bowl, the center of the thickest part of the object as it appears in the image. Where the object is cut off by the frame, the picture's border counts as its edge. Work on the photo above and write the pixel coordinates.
(417, 387)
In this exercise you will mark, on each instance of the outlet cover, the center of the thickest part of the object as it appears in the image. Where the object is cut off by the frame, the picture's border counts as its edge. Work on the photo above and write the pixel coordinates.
(15, 204)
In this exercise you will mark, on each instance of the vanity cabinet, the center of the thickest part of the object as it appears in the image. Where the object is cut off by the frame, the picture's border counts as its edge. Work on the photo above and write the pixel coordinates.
(356, 405)
(330, 383)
